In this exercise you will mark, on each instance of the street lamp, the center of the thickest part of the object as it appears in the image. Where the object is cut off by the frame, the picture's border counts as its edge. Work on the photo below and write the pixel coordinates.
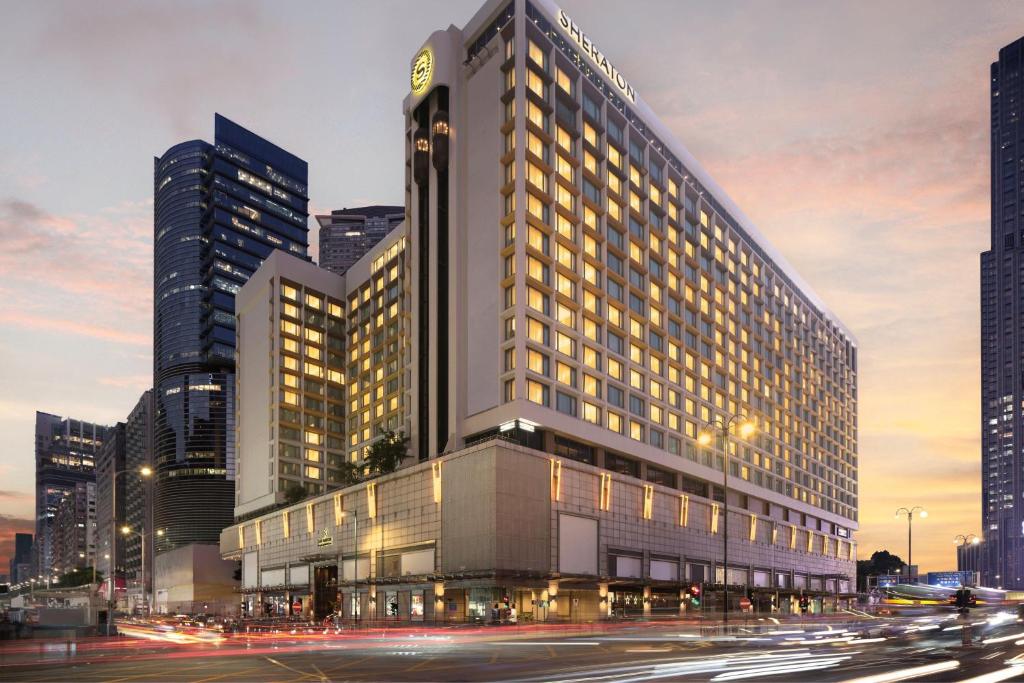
(144, 472)
(127, 530)
(909, 514)
(961, 541)
(722, 427)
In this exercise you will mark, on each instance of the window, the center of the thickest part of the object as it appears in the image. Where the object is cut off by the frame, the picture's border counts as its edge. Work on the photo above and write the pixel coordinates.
(537, 331)
(563, 80)
(535, 83)
(537, 362)
(537, 300)
(566, 345)
(565, 374)
(537, 55)
(537, 392)
(564, 403)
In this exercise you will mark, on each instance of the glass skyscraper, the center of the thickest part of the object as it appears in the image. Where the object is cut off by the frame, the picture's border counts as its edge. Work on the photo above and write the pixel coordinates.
(1002, 366)
(347, 234)
(219, 210)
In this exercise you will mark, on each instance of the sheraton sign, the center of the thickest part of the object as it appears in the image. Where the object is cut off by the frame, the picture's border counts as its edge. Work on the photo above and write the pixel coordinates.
(602, 63)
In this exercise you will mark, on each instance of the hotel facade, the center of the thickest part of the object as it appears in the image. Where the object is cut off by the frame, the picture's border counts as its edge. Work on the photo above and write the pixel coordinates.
(571, 302)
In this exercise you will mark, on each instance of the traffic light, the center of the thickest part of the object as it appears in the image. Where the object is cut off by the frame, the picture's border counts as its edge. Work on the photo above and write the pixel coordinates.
(804, 604)
(693, 592)
(965, 600)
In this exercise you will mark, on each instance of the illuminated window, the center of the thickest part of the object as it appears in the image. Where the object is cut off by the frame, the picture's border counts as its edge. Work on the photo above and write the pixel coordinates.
(537, 54)
(537, 392)
(565, 315)
(536, 176)
(563, 80)
(614, 158)
(566, 345)
(535, 83)
(565, 374)
(563, 138)
(537, 362)
(591, 413)
(289, 292)
(314, 301)
(537, 331)
(565, 169)
(537, 300)
(615, 422)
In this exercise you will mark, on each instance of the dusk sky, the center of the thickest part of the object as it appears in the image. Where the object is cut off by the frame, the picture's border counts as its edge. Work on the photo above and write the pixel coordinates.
(855, 135)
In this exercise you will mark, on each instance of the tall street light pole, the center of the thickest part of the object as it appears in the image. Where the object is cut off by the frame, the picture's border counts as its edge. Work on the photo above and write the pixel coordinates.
(144, 472)
(962, 541)
(909, 514)
(723, 427)
(126, 530)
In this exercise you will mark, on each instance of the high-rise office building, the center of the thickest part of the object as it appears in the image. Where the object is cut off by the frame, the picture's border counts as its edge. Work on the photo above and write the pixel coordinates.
(1002, 333)
(571, 305)
(110, 474)
(219, 210)
(138, 432)
(21, 561)
(347, 234)
(66, 452)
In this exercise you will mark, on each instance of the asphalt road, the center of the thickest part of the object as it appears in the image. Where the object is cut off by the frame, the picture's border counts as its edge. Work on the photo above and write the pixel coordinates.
(875, 651)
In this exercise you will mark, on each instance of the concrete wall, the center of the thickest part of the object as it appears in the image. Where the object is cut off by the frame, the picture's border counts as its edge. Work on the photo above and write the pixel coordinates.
(193, 579)
(497, 515)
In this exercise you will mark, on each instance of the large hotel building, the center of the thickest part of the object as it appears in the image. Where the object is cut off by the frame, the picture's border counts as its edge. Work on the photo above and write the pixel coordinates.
(570, 303)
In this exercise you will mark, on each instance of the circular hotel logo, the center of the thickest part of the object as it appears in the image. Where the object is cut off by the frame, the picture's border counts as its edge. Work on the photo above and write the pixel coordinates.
(422, 70)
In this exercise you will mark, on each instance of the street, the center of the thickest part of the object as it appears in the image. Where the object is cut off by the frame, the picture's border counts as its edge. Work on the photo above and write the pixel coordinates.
(924, 648)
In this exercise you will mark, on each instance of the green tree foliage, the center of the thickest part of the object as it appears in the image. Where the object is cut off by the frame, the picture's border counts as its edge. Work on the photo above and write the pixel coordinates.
(387, 453)
(81, 576)
(293, 494)
(881, 562)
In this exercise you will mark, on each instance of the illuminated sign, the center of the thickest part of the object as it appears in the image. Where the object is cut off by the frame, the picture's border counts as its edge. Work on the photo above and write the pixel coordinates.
(325, 539)
(422, 70)
(595, 55)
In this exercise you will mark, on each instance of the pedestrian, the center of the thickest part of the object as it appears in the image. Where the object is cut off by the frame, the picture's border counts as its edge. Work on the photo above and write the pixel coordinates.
(512, 616)
(495, 614)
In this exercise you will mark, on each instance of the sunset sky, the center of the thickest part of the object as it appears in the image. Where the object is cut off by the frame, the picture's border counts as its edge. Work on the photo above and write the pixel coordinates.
(855, 135)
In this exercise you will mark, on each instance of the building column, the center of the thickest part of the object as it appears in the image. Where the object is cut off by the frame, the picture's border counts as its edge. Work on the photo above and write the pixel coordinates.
(439, 602)
(604, 605)
(647, 602)
(552, 594)
(682, 602)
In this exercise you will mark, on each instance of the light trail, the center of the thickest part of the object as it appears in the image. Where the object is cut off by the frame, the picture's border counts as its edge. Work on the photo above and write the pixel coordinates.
(907, 674)
(996, 676)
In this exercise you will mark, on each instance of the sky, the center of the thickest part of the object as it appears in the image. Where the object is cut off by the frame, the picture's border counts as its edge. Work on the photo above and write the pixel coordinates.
(854, 134)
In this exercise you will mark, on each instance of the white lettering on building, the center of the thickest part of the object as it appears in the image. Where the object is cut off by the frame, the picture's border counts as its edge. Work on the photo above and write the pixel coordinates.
(595, 55)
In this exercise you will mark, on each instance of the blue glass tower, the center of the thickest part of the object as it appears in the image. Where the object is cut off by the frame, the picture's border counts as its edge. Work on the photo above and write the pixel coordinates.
(1002, 334)
(219, 210)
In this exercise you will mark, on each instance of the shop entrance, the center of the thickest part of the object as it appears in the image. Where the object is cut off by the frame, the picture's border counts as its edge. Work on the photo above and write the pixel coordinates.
(626, 602)
(325, 590)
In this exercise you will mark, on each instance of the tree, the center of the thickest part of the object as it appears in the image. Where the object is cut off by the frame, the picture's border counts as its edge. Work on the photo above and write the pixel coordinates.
(80, 576)
(387, 453)
(881, 562)
(351, 473)
(293, 494)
